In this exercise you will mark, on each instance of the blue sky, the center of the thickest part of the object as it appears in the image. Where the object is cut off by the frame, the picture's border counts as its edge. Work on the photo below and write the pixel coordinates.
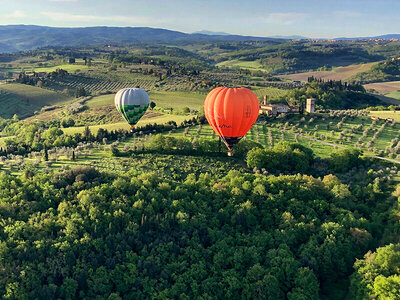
(312, 18)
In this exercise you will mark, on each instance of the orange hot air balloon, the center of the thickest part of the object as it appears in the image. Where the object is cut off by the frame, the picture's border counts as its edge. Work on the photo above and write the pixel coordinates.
(231, 112)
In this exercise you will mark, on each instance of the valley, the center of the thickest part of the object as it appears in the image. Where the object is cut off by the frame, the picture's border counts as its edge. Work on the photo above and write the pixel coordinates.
(95, 207)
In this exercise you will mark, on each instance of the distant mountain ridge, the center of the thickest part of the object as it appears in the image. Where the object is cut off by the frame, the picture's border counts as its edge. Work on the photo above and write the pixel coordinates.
(384, 37)
(26, 37)
(207, 32)
(290, 37)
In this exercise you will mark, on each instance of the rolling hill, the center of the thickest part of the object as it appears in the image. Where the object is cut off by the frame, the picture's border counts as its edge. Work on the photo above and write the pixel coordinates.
(383, 37)
(338, 73)
(25, 37)
(23, 100)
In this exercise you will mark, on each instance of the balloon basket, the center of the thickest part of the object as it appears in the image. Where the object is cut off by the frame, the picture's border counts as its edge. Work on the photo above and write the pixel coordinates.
(230, 153)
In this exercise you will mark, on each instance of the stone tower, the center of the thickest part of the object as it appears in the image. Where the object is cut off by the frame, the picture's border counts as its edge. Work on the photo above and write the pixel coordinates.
(310, 107)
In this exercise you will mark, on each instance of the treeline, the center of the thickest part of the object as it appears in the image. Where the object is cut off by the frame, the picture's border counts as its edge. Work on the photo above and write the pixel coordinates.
(33, 136)
(282, 158)
(388, 70)
(172, 60)
(195, 146)
(40, 79)
(331, 95)
(301, 56)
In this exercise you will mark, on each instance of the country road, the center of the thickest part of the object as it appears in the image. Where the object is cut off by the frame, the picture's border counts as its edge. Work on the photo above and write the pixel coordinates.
(340, 146)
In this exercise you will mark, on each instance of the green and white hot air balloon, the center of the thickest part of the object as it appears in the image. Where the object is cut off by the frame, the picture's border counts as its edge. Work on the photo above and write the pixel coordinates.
(132, 104)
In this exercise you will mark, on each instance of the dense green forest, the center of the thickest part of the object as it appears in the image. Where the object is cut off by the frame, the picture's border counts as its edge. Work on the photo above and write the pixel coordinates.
(385, 71)
(213, 229)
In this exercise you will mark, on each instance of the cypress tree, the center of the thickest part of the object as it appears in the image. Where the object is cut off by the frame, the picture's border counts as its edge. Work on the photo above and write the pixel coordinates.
(87, 133)
(46, 153)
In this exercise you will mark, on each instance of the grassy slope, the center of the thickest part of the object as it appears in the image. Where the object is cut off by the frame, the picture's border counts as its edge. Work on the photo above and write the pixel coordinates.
(271, 92)
(338, 73)
(395, 95)
(101, 101)
(387, 114)
(23, 99)
(28, 66)
(176, 100)
(251, 65)
(35, 95)
(123, 125)
(70, 68)
(384, 88)
(386, 99)
(100, 106)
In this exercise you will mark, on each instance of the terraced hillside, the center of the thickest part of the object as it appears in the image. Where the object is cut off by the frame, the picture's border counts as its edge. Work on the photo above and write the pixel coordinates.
(73, 82)
(100, 110)
(10, 105)
(24, 100)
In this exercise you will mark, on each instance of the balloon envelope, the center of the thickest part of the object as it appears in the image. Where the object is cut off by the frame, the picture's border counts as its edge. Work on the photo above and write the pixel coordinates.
(132, 104)
(231, 112)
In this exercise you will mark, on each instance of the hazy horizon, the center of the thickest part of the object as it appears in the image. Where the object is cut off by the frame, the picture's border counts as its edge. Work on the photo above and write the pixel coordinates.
(257, 18)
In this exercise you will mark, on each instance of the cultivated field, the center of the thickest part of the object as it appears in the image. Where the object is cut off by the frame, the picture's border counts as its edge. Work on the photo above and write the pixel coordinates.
(395, 95)
(101, 101)
(271, 92)
(337, 73)
(24, 100)
(251, 65)
(71, 68)
(30, 66)
(346, 129)
(99, 84)
(395, 115)
(178, 100)
(34, 95)
(384, 88)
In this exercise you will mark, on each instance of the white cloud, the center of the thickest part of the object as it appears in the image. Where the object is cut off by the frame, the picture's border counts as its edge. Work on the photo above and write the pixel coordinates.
(121, 20)
(18, 14)
(284, 18)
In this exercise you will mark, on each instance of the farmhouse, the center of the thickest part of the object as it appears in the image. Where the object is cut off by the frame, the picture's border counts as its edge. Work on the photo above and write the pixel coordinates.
(16, 75)
(276, 109)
